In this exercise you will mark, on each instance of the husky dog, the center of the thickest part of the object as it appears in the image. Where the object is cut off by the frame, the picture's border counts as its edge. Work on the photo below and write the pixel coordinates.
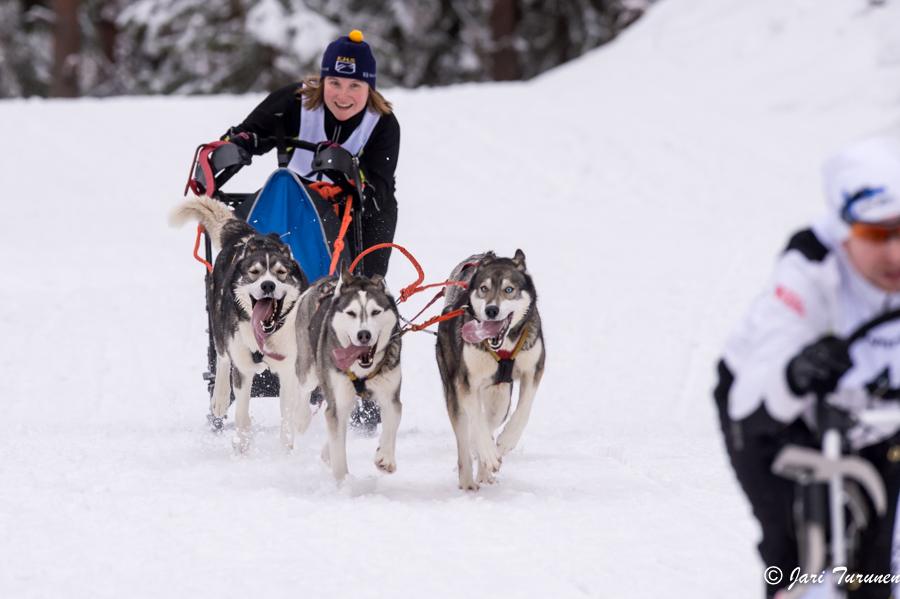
(349, 338)
(253, 294)
(497, 340)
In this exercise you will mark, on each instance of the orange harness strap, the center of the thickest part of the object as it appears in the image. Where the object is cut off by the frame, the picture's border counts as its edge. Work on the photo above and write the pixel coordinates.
(329, 192)
(411, 290)
(416, 287)
(406, 292)
(197, 248)
(339, 242)
(431, 321)
(326, 189)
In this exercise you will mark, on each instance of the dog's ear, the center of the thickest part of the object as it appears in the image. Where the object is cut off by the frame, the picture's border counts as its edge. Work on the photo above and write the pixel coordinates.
(345, 279)
(487, 258)
(379, 280)
(519, 260)
(286, 250)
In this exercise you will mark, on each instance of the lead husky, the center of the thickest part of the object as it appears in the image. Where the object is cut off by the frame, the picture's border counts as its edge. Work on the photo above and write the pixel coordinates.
(254, 289)
(349, 338)
(497, 340)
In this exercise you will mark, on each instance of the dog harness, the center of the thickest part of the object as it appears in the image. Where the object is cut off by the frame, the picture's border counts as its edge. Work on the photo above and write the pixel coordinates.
(506, 359)
(360, 383)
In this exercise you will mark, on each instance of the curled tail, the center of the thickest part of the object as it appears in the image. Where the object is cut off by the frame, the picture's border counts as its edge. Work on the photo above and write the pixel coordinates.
(211, 214)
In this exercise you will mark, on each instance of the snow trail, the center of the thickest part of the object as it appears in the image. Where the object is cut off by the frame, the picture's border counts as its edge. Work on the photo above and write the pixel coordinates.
(651, 184)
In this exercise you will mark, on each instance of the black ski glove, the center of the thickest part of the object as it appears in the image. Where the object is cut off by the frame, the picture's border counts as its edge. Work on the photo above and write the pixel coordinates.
(819, 366)
(249, 142)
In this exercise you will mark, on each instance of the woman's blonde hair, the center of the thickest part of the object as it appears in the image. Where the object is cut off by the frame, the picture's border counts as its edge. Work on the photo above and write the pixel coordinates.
(312, 93)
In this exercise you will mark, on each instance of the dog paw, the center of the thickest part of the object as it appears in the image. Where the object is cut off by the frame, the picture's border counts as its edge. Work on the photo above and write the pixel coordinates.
(468, 484)
(287, 436)
(240, 443)
(507, 441)
(485, 477)
(220, 402)
(489, 459)
(302, 417)
(384, 463)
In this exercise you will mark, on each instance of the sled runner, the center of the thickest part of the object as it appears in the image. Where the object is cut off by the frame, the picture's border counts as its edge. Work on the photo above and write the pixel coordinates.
(311, 217)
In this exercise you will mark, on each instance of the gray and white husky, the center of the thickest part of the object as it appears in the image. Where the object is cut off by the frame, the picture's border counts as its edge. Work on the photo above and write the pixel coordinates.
(497, 340)
(253, 294)
(349, 338)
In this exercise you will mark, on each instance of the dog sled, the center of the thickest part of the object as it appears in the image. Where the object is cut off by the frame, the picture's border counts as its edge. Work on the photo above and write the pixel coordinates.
(312, 217)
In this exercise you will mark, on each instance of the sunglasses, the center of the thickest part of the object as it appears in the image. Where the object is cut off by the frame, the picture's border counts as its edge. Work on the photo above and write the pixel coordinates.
(876, 233)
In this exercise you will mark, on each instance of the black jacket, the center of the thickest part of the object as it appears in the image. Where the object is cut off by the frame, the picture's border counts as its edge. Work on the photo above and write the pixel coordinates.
(379, 156)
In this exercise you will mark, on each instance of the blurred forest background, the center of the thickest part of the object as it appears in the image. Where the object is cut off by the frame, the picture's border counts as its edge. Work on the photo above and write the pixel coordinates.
(69, 48)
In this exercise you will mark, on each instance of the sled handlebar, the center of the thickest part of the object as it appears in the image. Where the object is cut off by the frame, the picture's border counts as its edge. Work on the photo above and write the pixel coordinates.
(832, 467)
(303, 145)
(294, 143)
(217, 162)
(830, 416)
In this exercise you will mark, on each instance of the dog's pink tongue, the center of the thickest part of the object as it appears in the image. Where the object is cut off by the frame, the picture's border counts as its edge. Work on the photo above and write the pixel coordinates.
(346, 356)
(476, 332)
(262, 312)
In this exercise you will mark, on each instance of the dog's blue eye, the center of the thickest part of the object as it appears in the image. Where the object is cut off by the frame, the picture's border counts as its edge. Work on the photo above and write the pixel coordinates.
(484, 289)
(509, 290)
(376, 312)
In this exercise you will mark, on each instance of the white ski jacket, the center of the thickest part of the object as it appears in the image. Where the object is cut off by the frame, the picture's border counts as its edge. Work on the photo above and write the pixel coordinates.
(814, 291)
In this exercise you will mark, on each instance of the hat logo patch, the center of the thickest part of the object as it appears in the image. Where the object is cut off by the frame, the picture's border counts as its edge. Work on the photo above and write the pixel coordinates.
(345, 66)
(863, 203)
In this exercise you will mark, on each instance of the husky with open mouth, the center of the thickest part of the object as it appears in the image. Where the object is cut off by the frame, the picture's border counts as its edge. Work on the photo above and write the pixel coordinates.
(496, 341)
(253, 295)
(349, 338)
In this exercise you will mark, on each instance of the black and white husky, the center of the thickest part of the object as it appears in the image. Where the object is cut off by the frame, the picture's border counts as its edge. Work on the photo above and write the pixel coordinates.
(497, 340)
(348, 334)
(253, 295)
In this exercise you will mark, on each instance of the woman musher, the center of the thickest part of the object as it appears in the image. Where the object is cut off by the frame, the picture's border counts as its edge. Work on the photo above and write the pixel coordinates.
(340, 106)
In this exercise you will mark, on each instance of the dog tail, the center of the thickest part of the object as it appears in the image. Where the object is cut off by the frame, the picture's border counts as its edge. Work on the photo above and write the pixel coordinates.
(211, 214)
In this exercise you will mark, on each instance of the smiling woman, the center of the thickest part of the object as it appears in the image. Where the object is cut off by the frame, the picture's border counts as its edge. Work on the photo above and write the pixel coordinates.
(341, 106)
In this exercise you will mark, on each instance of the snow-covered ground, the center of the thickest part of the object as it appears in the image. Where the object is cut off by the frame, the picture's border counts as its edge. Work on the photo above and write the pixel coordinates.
(651, 185)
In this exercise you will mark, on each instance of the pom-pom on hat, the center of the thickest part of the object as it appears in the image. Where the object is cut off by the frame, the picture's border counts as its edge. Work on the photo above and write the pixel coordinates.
(349, 57)
(862, 181)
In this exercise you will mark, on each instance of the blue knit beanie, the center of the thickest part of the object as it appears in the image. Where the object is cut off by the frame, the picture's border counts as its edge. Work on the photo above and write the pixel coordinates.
(349, 57)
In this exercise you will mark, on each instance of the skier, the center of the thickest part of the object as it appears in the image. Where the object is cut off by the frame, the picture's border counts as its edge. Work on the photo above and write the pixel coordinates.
(833, 277)
(340, 106)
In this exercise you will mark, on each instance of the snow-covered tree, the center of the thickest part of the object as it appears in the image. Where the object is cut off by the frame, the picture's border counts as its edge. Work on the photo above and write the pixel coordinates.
(26, 47)
(216, 46)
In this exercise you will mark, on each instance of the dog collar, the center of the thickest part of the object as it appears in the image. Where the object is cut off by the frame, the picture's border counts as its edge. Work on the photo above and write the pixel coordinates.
(360, 383)
(506, 359)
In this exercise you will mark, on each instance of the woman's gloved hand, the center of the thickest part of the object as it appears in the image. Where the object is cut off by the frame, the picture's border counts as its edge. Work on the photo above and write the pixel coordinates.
(244, 140)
